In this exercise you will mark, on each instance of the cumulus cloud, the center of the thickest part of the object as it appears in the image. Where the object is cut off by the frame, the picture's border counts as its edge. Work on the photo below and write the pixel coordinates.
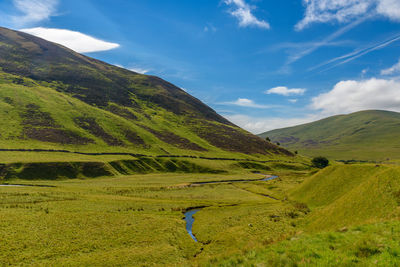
(76, 41)
(243, 12)
(283, 90)
(392, 70)
(244, 102)
(323, 11)
(389, 8)
(33, 11)
(259, 125)
(351, 96)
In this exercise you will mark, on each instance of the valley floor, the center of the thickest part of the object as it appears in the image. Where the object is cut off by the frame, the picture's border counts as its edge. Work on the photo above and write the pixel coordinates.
(138, 220)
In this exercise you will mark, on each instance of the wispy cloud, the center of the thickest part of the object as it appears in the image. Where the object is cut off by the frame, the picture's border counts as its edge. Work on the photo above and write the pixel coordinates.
(210, 28)
(283, 90)
(33, 11)
(76, 41)
(355, 54)
(302, 45)
(244, 102)
(243, 12)
(343, 11)
(313, 46)
(392, 70)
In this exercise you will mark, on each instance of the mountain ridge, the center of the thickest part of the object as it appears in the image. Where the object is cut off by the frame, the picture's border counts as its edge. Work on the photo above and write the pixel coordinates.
(52, 97)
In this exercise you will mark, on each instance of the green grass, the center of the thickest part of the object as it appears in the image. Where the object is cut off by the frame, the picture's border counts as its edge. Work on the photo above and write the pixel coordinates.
(366, 135)
(348, 215)
(136, 220)
(344, 215)
(367, 245)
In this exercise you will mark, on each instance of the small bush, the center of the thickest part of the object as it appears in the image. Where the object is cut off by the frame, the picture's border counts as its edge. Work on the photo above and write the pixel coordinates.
(320, 162)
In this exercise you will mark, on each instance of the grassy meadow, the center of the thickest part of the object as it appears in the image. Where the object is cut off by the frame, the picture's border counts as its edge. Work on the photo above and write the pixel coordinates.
(138, 220)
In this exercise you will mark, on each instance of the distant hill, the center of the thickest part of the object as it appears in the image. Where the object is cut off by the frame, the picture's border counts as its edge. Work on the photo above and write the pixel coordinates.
(364, 135)
(54, 98)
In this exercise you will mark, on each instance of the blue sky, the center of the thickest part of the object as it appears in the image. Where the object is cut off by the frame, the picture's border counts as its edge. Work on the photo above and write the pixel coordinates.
(262, 64)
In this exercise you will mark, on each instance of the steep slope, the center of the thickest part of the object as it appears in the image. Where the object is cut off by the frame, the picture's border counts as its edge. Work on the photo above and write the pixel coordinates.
(364, 135)
(348, 195)
(52, 98)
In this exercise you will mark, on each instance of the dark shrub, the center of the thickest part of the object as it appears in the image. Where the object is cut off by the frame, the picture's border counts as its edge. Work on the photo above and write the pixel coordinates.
(320, 162)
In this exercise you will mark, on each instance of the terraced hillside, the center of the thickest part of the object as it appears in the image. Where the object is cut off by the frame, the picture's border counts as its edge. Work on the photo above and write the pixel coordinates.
(54, 98)
(364, 135)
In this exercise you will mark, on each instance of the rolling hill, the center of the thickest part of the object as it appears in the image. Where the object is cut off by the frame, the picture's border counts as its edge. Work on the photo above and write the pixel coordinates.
(364, 135)
(54, 98)
(348, 195)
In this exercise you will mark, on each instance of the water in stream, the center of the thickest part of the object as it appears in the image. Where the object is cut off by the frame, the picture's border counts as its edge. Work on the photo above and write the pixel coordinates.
(189, 222)
(189, 214)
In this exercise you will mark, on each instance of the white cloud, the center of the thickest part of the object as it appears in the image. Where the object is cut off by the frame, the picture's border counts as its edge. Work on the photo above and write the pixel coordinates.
(139, 70)
(76, 41)
(243, 12)
(244, 102)
(324, 11)
(390, 9)
(259, 125)
(283, 90)
(392, 70)
(351, 96)
(293, 100)
(34, 11)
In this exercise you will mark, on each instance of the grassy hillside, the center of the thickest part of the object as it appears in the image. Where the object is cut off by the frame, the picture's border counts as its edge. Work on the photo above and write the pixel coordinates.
(54, 98)
(365, 135)
(352, 219)
(347, 195)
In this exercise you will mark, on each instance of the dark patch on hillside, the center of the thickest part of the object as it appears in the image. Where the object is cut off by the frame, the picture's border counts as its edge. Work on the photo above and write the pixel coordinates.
(173, 139)
(33, 116)
(90, 125)
(53, 135)
(134, 138)
(8, 100)
(39, 125)
(232, 139)
(122, 112)
(178, 101)
(53, 170)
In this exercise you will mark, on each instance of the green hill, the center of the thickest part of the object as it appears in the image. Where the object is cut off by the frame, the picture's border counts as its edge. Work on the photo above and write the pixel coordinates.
(54, 98)
(352, 220)
(364, 135)
(348, 195)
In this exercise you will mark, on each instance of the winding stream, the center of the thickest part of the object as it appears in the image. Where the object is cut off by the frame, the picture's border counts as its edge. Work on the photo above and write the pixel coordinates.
(189, 214)
(24, 185)
(189, 222)
(11, 185)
